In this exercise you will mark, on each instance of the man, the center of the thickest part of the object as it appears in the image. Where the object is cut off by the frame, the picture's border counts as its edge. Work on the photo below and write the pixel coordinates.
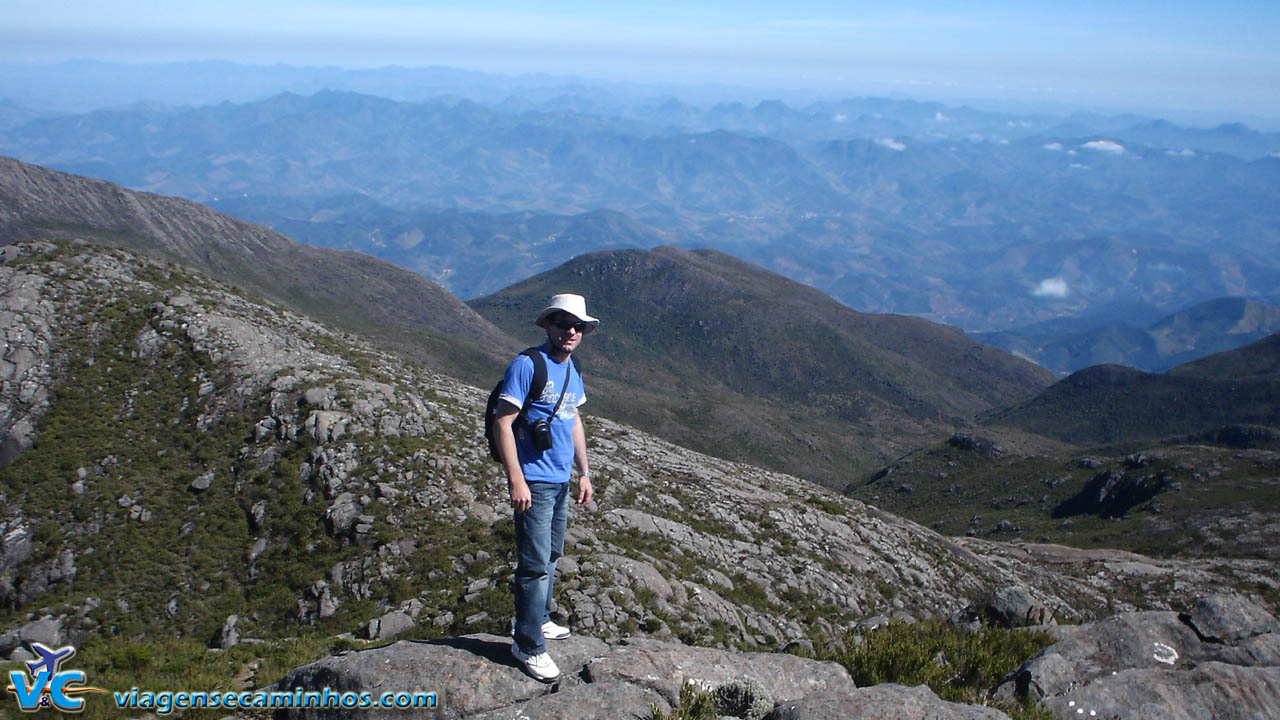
(538, 479)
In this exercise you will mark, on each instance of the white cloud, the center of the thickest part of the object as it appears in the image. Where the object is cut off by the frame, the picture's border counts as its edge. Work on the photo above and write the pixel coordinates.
(839, 117)
(941, 118)
(891, 144)
(1054, 287)
(1168, 268)
(1185, 152)
(1106, 146)
(1054, 146)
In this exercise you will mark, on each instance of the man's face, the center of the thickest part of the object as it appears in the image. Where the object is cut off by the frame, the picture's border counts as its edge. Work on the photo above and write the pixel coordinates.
(564, 332)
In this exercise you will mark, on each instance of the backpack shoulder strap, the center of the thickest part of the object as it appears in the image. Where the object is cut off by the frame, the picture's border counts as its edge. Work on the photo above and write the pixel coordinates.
(538, 382)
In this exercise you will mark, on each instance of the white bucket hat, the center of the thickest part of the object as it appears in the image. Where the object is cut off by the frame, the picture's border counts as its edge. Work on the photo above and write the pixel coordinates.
(575, 305)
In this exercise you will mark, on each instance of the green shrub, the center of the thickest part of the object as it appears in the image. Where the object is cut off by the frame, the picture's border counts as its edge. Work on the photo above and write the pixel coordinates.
(695, 704)
(130, 658)
(957, 664)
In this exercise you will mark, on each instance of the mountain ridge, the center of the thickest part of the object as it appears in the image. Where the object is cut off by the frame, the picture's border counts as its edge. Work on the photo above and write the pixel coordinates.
(692, 341)
(1181, 462)
(1117, 405)
(350, 289)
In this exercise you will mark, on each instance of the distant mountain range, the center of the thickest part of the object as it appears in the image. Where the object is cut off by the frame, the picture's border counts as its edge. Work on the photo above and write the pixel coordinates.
(1207, 328)
(469, 252)
(984, 220)
(84, 85)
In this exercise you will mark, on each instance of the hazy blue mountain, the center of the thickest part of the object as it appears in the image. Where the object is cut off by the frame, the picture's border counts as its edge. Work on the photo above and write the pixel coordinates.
(971, 229)
(472, 253)
(84, 85)
(13, 115)
(1232, 138)
(1206, 328)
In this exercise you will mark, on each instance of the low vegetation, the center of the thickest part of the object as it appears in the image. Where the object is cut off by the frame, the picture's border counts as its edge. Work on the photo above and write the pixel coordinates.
(957, 664)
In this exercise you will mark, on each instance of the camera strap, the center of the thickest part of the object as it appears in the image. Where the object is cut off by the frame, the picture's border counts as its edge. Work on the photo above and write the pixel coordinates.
(540, 371)
(568, 367)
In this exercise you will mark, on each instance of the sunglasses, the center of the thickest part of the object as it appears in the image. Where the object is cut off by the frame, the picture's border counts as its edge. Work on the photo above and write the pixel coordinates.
(565, 323)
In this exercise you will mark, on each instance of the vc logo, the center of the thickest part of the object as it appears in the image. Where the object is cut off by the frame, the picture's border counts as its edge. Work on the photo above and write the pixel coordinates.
(48, 684)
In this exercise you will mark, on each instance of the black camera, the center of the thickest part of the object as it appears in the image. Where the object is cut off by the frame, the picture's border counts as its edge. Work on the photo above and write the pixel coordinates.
(540, 433)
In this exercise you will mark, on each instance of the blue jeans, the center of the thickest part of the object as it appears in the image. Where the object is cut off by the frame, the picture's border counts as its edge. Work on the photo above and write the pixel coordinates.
(539, 545)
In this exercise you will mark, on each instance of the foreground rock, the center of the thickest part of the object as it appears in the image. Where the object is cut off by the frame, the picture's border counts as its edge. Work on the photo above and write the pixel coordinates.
(885, 702)
(475, 677)
(1221, 660)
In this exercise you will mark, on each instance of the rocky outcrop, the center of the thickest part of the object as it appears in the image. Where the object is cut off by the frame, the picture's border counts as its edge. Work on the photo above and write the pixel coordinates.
(1112, 493)
(881, 702)
(475, 677)
(1221, 660)
(27, 321)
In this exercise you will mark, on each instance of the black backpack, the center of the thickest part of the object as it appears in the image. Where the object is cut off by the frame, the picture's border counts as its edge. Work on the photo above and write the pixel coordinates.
(535, 390)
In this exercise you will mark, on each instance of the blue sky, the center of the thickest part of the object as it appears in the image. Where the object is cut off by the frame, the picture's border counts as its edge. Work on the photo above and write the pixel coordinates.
(1219, 58)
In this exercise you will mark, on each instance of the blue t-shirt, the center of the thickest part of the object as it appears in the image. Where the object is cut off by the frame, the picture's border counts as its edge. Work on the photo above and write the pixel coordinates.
(554, 464)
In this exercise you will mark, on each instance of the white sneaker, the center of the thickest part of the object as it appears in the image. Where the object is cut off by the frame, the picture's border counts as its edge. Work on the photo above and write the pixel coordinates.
(540, 666)
(550, 630)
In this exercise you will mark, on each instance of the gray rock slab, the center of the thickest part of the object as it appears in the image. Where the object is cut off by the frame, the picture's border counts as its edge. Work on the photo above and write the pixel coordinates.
(598, 701)
(46, 631)
(881, 702)
(1229, 619)
(1211, 690)
(1013, 606)
(665, 666)
(1219, 661)
(1263, 649)
(470, 674)
(1140, 640)
(390, 625)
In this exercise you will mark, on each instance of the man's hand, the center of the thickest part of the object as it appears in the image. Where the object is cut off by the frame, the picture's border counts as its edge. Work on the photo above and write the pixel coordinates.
(521, 498)
(585, 491)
